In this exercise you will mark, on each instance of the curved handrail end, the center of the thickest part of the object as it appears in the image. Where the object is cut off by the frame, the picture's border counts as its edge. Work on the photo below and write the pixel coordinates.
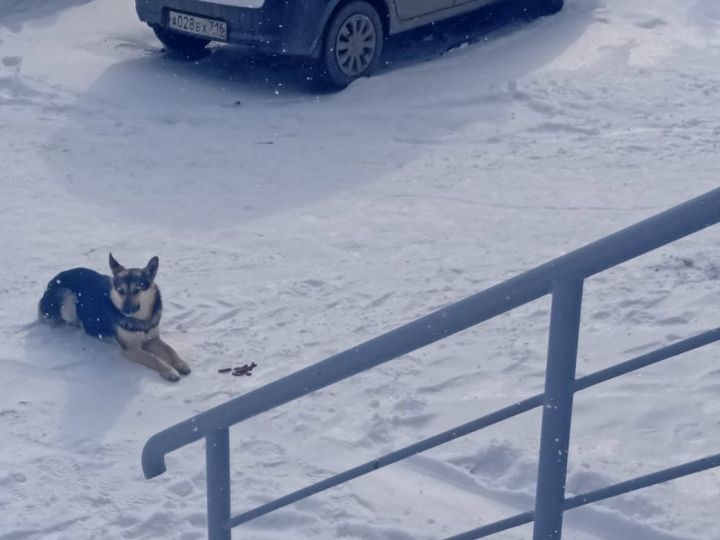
(153, 459)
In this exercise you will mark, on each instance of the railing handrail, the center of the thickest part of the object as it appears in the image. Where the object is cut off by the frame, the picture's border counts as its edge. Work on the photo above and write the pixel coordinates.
(636, 240)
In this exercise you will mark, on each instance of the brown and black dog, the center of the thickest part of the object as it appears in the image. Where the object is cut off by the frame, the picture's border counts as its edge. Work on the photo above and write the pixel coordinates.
(126, 306)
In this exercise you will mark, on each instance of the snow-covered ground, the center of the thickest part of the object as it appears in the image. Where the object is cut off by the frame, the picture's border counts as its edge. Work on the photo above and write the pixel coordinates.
(291, 226)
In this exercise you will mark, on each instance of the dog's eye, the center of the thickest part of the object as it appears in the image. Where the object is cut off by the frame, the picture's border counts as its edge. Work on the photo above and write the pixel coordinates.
(144, 286)
(121, 292)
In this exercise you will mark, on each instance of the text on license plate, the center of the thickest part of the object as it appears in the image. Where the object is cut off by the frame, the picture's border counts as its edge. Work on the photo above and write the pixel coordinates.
(199, 26)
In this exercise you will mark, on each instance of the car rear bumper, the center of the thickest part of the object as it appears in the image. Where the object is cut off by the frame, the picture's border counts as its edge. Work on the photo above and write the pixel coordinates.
(278, 26)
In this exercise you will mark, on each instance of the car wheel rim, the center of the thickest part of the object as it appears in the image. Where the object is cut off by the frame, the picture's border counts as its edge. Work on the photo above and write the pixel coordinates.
(356, 45)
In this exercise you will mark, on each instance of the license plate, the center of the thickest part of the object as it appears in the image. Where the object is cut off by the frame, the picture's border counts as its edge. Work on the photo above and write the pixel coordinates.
(198, 26)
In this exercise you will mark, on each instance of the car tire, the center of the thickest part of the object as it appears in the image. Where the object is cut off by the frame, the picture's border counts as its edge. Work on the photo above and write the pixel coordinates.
(353, 44)
(548, 7)
(188, 47)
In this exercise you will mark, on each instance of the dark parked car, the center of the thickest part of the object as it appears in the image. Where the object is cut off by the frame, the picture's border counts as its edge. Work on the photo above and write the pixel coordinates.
(345, 37)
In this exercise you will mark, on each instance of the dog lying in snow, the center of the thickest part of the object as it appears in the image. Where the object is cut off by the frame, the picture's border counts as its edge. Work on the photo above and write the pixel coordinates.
(126, 307)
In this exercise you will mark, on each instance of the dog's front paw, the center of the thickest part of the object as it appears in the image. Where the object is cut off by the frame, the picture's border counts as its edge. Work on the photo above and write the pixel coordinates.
(183, 368)
(170, 375)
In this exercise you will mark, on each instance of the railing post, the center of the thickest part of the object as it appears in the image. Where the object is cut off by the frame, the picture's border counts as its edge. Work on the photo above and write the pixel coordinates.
(557, 410)
(217, 456)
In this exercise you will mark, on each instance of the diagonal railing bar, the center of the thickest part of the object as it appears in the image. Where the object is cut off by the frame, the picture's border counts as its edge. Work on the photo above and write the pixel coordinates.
(499, 526)
(463, 430)
(648, 359)
(392, 457)
(601, 494)
(645, 481)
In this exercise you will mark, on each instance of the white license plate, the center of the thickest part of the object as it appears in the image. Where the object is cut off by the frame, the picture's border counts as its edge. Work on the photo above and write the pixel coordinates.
(198, 26)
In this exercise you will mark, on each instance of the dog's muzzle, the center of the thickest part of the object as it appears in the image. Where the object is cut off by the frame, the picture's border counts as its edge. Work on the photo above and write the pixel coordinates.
(130, 310)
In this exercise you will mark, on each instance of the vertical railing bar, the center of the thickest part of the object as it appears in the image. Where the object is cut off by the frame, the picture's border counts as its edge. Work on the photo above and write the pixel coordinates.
(217, 454)
(557, 409)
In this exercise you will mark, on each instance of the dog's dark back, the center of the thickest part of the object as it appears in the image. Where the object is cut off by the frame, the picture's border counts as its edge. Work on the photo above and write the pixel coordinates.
(95, 310)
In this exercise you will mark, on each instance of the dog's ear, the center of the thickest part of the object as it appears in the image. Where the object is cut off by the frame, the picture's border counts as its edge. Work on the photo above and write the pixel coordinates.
(151, 268)
(115, 266)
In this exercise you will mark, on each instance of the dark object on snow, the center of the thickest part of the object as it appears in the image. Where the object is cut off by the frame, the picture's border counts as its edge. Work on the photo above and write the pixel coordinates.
(245, 369)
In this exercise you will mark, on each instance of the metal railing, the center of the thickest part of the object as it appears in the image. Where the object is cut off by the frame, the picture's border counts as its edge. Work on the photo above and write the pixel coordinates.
(563, 278)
